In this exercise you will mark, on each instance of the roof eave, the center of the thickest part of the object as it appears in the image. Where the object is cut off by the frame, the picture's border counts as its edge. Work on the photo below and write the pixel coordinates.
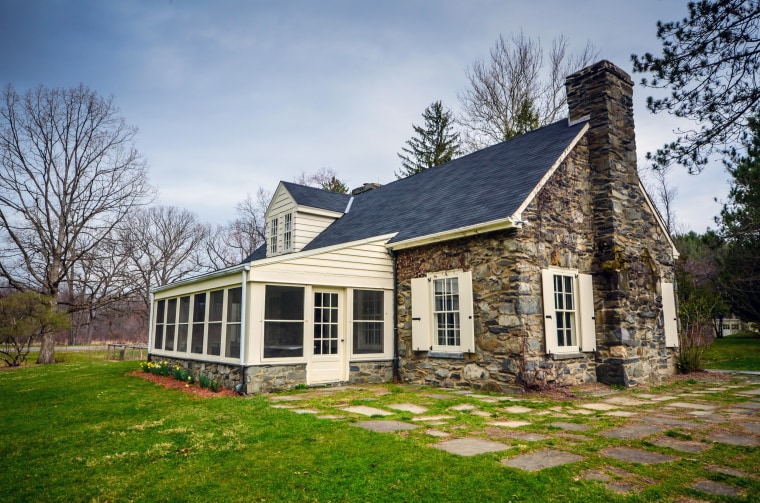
(512, 222)
(202, 277)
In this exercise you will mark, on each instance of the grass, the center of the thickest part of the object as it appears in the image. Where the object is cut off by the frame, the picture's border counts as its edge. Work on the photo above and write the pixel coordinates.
(86, 431)
(735, 352)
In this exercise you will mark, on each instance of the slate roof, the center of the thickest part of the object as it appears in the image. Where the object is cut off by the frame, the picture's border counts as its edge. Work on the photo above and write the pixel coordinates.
(317, 198)
(483, 186)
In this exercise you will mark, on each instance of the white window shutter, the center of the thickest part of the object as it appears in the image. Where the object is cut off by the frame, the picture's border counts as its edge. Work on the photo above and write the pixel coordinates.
(550, 322)
(670, 323)
(466, 319)
(586, 312)
(421, 314)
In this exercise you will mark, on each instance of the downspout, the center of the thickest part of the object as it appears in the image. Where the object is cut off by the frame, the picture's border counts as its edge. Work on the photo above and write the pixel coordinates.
(240, 388)
(396, 373)
(150, 324)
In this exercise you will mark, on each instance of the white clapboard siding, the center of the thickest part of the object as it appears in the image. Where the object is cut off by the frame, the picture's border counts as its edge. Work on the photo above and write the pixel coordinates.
(308, 226)
(282, 202)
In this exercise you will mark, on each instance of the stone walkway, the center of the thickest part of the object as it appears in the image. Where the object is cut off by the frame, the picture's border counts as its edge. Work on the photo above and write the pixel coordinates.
(618, 433)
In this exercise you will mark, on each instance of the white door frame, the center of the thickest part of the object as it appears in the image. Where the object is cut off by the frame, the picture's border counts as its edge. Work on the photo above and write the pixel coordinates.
(327, 368)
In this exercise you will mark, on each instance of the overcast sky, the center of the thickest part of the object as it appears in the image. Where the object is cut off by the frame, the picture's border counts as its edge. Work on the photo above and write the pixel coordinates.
(231, 95)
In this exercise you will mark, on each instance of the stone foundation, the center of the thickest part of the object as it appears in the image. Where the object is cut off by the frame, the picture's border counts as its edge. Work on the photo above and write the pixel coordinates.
(370, 372)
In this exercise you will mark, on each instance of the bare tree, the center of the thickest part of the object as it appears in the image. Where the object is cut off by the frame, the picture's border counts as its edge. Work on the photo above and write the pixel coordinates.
(70, 173)
(323, 178)
(518, 89)
(165, 244)
(664, 195)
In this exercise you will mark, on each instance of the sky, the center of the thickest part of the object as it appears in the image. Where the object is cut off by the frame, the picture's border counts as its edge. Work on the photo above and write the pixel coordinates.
(233, 95)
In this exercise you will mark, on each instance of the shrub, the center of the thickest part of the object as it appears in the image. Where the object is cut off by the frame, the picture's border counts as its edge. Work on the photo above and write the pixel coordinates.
(204, 381)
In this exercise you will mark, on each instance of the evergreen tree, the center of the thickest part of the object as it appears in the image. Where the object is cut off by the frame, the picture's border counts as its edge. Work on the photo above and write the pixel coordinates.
(740, 225)
(433, 144)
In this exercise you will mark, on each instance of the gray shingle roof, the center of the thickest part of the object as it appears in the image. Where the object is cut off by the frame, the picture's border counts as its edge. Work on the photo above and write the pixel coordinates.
(486, 185)
(317, 198)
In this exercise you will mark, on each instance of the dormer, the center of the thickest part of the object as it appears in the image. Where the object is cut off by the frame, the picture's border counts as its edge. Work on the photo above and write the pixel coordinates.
(297, 214)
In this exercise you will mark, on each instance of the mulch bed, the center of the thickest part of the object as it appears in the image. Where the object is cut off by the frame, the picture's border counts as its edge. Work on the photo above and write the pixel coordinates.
(193, 389)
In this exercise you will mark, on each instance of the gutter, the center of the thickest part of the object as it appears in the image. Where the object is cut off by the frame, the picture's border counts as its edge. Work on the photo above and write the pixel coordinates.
(396, 370)
(513, 222)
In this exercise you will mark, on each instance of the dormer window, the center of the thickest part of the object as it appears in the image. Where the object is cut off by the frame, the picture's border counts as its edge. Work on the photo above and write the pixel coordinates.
(287, 240)
(273, 236)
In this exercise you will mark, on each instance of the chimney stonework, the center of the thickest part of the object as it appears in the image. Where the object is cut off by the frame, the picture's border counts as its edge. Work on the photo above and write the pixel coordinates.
(630, 260)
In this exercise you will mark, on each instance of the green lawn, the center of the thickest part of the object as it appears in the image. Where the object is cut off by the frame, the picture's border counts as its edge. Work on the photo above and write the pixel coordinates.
(86, 431)
(735, 352)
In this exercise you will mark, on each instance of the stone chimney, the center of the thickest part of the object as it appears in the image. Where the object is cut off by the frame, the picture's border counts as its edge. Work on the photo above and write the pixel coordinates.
(603, 93)
(365, 188)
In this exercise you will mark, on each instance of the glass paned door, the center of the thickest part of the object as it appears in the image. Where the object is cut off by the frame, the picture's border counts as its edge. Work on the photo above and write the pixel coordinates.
(326, 362)
(325, 323)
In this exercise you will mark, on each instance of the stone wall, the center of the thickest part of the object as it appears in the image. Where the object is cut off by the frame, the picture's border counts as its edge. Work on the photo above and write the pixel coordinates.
(507, 290)
(370, 372)
(226, 375)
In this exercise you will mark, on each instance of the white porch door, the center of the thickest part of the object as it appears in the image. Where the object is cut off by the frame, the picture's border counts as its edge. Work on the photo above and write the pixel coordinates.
(327, 359)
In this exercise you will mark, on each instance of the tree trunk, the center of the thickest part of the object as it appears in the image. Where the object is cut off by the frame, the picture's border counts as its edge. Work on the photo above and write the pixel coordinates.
(47, 350)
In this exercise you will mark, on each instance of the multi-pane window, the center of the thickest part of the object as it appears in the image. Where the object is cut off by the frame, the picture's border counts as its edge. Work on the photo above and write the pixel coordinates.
(199, 325)
(234, 316)
(273, 231)
(283, 321)
(287, 236)
(368, 321)
(215, 313)
(446, 311)
(182, 325)
(325, 323)
(158, 335)
(564, 308)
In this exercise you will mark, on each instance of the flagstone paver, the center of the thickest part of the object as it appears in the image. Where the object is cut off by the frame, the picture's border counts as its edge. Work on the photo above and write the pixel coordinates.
(748, 405)
(330, 416)
(463, 407)
(733, 439)
(750, 392)
(579, 412)
(481, 413)
(702, 413)
(529, 437)
(283, 406)
(516, 409)
(632, 431)
(595, 475)
(546, 458)
(368, 411)
(440, 396)
(620, 413)
(753, 427)
(471, 446)
(432, 418)
(672, 421)
(598, 406)
(385, 426)
(624, 400)
(622, 487)
(437, 433)
(288, 398)
(680, 445)
(542, 413)
(306, 411)
(729, 471)
(570, 426)
(662, 398)
(691, 405)
(630, 455)
(716, 488)
(742, 412)
(509, 424)
(408, 407)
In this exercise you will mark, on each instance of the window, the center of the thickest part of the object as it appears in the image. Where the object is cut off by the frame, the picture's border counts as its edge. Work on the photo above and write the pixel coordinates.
(171, 319)
(569, 320)
(182, 326)
(287, 237)
(442, 313)
(158, 335)
(325, 323)
(446, 311)
(199, 325)
(283, 321)
(273, 231)
(368, 322)
(234, 316)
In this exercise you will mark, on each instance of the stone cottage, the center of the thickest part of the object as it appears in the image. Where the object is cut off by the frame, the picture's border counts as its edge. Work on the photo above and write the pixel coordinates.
(539, 259)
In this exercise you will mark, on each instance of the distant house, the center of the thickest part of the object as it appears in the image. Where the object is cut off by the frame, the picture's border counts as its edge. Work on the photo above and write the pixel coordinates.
(539, 259)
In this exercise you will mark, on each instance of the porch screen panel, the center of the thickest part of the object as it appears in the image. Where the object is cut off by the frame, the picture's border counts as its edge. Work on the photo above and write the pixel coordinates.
(368, 321)
(234, 305)
(158, 334)
(199, 318)
(182, 325)
(215, 312)
(171, 320)
(283, 321)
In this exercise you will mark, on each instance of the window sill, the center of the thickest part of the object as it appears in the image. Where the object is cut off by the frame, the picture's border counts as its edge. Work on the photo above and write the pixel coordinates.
(567, 356)
(446, 354)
